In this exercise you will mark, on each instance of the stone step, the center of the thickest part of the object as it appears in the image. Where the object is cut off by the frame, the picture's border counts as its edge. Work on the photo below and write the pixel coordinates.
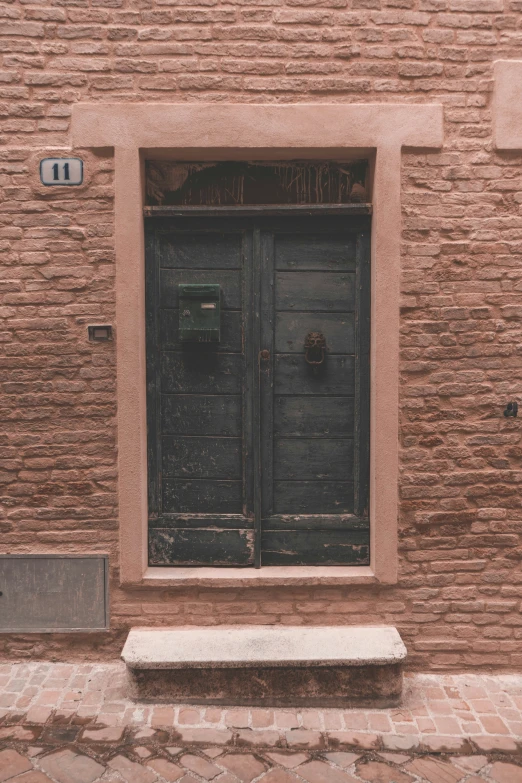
(267, 665)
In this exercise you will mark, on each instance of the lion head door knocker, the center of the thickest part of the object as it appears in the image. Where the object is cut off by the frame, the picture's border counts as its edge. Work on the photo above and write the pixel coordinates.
(315, 350)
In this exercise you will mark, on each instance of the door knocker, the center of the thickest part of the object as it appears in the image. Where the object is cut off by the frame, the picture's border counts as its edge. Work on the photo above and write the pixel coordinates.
(315, 350)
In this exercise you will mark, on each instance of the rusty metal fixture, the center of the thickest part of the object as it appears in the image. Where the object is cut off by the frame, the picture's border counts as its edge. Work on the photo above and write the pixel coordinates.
(315, 350)
(511, 410)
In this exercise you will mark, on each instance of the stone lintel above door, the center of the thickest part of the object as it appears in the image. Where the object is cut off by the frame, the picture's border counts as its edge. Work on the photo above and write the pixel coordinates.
(229, 127)
(195, 131)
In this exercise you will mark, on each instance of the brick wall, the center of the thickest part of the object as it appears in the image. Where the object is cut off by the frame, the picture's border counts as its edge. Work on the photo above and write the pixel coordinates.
(459, 600)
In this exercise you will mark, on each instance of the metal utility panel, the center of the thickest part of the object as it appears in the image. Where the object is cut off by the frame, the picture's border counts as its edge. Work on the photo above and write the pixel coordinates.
(53, 593)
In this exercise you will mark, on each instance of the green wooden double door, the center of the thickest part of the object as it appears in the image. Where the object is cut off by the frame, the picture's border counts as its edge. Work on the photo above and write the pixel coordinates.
(258, 449)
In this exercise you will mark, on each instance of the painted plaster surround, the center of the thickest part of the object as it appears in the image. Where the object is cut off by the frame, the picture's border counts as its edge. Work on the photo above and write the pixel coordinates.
(249, 132)
(507, 105)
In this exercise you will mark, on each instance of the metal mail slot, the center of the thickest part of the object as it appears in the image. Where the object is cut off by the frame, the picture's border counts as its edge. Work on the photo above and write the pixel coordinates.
(199, 312)
(48, 593)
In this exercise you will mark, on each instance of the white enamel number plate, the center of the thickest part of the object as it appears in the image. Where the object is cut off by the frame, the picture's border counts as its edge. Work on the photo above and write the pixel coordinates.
(61, 171)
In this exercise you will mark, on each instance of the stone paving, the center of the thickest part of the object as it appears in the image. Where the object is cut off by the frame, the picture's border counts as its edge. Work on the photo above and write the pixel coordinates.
(65, 753)
(72, 723)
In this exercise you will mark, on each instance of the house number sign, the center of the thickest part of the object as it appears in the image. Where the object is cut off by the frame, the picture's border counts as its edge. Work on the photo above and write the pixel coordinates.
(61, 171)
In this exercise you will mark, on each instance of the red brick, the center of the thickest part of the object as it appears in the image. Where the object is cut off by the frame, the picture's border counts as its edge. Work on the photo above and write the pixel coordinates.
(204, 736)
(321, 772)
(461, 289)
(200, 766)
(489, 744)
(12, 763)
(280, 776)
(171, 772)
(288, 760)
(109, 734)
(258, 738)
(502, 772)
(435, 770)
(32, 777)
(354, 739)
(244, 766)
(378, 772)
(262, 718)
(301, 738)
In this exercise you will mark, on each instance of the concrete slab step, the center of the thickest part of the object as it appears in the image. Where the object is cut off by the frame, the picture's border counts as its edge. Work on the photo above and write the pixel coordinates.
(267, 665)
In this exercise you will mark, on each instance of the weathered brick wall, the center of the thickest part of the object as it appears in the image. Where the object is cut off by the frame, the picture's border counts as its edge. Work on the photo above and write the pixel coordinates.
(459, 600)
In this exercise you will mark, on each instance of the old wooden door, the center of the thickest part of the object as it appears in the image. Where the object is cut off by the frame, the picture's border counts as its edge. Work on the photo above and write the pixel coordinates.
(256, 454)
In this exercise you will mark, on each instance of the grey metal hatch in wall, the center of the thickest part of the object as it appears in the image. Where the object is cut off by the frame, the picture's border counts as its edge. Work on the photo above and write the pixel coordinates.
(50, 593)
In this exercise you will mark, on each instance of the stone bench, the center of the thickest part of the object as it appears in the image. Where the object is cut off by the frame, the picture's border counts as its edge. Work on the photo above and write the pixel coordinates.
(267, 665)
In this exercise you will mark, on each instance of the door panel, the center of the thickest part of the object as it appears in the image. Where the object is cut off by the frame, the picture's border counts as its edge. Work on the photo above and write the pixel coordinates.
(255, 456)
(195, 496)
(310, 416)
(313, 458)
(199, 402)
(201, 372)
(315, 291)
(315, 547)
(314, 443)
(203, 251)
(191, 414)
(290, 328)
(312, 497)
(197, 457)
(292, 375)
(200, 547)
(325, 252)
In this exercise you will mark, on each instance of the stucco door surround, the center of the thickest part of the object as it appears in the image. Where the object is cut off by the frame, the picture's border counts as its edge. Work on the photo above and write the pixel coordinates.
(249, 132)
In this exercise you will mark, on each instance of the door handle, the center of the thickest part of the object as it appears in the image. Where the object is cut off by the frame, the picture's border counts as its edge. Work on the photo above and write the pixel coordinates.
(315, 348)
(264, 355)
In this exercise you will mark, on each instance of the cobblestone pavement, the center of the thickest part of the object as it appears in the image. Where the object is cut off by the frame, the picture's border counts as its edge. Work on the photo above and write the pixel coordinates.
(72, 723)
(68, 753)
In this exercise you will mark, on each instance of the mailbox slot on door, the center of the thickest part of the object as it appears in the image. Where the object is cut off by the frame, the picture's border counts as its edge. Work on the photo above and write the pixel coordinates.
(199, 312)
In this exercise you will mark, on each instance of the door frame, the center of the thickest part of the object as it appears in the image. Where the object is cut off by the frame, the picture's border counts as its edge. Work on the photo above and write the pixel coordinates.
(196, 131)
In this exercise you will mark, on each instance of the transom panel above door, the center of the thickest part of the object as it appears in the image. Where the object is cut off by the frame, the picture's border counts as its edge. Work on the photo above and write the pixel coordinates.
(258, 445)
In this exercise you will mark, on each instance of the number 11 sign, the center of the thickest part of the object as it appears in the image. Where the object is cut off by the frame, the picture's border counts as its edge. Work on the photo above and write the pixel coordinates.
(61, 171)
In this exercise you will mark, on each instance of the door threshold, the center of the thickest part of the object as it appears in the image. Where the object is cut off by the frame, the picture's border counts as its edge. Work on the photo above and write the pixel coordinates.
(267, 576)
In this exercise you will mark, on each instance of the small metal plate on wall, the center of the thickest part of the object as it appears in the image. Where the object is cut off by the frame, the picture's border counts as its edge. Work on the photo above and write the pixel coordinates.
(61, 171)
(51, 593)
(100, 334)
